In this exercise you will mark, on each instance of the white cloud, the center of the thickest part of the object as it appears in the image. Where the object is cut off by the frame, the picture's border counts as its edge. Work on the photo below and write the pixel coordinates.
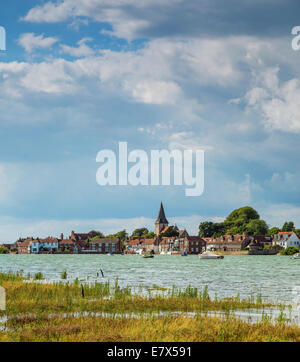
(277, 214)
(82, 50)
(30, 41)
(12, 228)
(276, 101)
(124, 22)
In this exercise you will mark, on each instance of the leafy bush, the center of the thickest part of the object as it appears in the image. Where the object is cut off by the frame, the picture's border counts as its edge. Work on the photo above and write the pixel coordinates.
(291, 250)
(3, 250)
(64, 275)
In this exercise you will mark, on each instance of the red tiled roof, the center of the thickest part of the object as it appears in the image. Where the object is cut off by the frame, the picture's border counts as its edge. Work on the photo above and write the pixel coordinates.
(66, 242)
(104, 240)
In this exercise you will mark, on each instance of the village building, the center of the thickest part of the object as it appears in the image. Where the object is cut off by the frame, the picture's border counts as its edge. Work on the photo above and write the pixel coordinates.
(66, 246)
(161, 222)
(136, 245)
(83, 237)
(286, 239)
(100, 246)
(228, 242)
(178, 245)
(37, 246)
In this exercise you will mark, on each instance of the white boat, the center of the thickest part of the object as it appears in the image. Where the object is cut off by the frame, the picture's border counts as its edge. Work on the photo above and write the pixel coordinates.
(296, 256)
(209, 255)
(162, 253)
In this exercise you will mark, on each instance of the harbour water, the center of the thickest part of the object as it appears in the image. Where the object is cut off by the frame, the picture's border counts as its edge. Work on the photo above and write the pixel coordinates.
(275, 278)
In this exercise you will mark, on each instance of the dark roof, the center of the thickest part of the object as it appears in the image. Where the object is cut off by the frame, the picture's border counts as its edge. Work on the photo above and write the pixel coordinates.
(161, 218)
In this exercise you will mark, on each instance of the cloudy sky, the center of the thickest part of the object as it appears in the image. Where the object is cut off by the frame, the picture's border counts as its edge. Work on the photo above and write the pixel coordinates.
(79, 76)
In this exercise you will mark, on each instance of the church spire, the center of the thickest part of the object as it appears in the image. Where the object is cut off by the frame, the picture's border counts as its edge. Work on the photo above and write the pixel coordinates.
(161, 218)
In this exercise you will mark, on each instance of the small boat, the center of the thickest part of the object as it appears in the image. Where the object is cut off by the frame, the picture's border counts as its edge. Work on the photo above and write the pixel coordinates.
(162, 253)
(184, 253)
(296, 256)
(209, 255)
(111, 254)
(148, 255)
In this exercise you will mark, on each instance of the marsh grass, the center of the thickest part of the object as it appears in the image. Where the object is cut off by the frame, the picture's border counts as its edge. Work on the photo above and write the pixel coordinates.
(61, 311)
(34, 296)
(161, 329)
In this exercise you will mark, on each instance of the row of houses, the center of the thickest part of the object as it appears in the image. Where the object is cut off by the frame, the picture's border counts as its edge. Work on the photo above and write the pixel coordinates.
(237, 242)
(164, 245)
(88, 243)
(181, 242)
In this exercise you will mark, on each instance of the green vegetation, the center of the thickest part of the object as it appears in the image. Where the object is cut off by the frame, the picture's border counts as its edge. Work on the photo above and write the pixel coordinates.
(171, 231)
(67, 312)
(291, 250)
(64, 275)
(244, 219)
(3, 250)
(146, 329)
(120, 234)
(273, 231)
(38, 276)
(25, 296)
(288, 226)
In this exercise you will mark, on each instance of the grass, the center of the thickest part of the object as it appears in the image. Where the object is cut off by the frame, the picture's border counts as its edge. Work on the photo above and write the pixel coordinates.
(41, 311)
(162, 329)
(27, 296)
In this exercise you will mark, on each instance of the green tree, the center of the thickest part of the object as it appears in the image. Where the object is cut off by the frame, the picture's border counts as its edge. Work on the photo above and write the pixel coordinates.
(291, 250)
(273, 231)
(171, 231)
(257, 227)
(236, 222)
(206, 229)
(209, 228)
(138, 233)
(288, 226)
(121, 234)
(150, 235)
(3, 250)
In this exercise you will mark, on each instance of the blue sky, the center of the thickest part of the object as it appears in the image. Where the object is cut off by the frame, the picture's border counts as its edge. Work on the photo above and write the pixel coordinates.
(80, 76)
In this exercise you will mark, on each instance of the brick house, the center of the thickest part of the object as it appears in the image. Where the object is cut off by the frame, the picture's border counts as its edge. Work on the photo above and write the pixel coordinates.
(66, 245)
(178, 245)
(228, 242)
(195, 244)
(133, 245)
(24, 246)
(99, 246)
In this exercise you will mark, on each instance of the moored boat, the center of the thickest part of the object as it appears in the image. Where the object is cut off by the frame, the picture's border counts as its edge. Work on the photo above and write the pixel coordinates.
(148, 255)
(296, 256)
(209, 255)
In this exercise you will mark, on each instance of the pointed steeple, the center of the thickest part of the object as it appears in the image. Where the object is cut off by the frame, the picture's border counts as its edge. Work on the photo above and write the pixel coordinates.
(161, 218)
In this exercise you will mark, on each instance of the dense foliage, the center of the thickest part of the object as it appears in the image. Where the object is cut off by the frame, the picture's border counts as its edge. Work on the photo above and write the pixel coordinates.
(291, 250)
(3, 250)
(244, 219)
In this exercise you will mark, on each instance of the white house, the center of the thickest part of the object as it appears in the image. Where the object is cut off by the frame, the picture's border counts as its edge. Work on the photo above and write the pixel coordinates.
(48, 244)
(286, 239)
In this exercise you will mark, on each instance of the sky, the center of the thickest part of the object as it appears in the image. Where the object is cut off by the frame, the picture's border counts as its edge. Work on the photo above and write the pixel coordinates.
(79, 76)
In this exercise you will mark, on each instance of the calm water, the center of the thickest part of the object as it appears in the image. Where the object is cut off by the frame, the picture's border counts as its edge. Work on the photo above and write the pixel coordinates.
(273, 277)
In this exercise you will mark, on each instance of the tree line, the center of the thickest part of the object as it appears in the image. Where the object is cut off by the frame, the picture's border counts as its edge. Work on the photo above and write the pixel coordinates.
(242, 220)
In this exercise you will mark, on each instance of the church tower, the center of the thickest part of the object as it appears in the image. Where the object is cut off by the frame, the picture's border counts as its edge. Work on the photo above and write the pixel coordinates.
(161, 221)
